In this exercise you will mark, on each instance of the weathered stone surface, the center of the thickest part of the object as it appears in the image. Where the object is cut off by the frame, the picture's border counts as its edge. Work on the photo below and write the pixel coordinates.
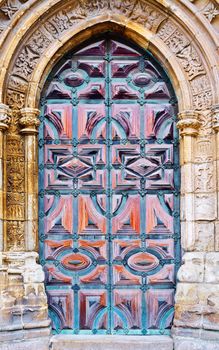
(193, 268)
(212, 267)
(217, 236)
(102, 342)
(181, 343)
(205, 206)
(33, 344)
(204, 233)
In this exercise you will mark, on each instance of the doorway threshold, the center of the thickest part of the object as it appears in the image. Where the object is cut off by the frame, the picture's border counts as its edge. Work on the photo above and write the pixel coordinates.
(111, 342)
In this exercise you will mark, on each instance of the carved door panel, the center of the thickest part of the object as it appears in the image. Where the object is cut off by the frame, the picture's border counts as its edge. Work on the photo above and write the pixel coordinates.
(108, 199)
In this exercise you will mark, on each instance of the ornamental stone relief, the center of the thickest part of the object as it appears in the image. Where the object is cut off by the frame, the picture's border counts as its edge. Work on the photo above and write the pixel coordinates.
(138, 11)
(8, 9)
(191, 62)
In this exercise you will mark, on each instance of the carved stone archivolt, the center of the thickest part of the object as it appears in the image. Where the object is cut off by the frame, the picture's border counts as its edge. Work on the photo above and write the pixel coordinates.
(182, 35)
(58, 23)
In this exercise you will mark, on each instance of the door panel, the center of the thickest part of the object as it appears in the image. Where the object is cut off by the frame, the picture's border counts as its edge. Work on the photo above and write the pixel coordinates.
(109, 192)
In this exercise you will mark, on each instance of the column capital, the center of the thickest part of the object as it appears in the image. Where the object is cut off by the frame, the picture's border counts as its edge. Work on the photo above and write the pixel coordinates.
(29, 120)
(4, 116)
(215, 117)
(188, 123)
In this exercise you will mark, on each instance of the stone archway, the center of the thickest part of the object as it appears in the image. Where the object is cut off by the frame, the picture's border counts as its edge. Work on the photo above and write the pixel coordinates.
(109, 191)
(187, 50)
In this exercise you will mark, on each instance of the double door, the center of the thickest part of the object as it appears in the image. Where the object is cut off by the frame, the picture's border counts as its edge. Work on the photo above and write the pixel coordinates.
(108, 199)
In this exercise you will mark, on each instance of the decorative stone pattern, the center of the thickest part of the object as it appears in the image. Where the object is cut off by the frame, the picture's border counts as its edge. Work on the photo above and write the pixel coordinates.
(8, 9)
(191, 61)
(15, 199)
(22, 297)
(51, 29)
(211, 11)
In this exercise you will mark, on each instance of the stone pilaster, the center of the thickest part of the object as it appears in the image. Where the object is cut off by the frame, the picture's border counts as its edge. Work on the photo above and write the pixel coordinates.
(4, 120)
(29, 128)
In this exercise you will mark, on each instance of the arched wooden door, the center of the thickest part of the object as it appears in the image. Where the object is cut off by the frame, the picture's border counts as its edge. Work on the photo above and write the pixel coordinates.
(109, 185)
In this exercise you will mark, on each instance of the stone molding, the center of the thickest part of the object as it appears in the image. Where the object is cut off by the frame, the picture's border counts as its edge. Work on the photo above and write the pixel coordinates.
(167, 31)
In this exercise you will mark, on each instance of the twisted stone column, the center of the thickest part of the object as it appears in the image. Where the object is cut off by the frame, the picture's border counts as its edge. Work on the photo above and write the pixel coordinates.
(29, 128)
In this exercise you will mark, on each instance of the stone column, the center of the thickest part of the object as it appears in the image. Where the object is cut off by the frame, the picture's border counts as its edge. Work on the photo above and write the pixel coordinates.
(185, 299)
(4, 120)
(188, 125)
(197, 294)
(29, 128)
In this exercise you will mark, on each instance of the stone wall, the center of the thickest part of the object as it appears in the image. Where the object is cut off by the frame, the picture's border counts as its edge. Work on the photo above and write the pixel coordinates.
(183, 36)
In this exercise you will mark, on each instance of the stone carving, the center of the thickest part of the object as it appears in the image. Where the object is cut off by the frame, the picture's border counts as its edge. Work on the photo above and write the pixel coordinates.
(9, 8)
(15, 199)
(15, 206)
(146, 15)
(204, 177)
(15, 99)
(193, 268)
(201, 90)
(191, 62)
(29, 120)
(139, 11)
(188, 123)
(4, 116)
(211, 11)
(204, 150)
(15, 236)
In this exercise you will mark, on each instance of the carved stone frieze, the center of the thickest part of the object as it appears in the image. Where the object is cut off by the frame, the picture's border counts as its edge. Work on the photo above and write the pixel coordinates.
(204, 149)
(137, 10)
(211, 11)
(8, 9)
(15, 199)
(191, 61)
